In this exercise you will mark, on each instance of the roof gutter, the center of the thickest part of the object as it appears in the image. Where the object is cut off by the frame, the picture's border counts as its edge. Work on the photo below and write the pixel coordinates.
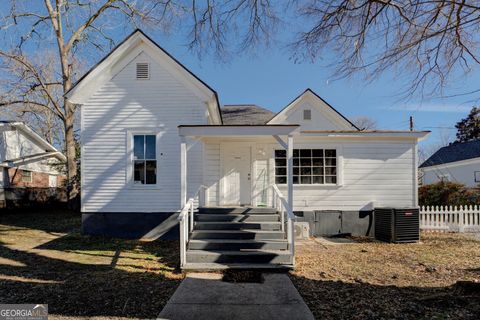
(32, 134)
(419, 135)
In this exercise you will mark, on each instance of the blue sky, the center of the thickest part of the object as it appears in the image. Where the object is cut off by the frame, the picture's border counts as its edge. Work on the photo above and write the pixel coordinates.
(268, 77)
(271, 79)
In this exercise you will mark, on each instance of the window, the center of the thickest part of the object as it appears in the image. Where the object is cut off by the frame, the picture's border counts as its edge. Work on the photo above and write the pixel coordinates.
(310, 166)
(307, 114)
(143, 71)
(144, 159)
(26, 176)
(444, 177)
(477, 176)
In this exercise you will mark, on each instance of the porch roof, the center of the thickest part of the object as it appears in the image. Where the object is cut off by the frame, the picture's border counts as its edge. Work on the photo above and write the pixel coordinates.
(236, 130)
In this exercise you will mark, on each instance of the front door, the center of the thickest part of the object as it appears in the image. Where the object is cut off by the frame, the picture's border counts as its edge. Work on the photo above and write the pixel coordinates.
(237, 175)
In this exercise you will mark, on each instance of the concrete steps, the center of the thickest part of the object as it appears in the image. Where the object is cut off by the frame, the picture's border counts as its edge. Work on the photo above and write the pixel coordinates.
(239, 238)
(258, 256)
(190, 266)
(221, 225)
(233, 217)
(237, 234)
(236, 210)
(235, 244)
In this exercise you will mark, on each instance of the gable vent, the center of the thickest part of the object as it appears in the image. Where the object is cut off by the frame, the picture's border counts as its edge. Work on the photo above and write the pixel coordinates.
(143, 70)
(307, 114)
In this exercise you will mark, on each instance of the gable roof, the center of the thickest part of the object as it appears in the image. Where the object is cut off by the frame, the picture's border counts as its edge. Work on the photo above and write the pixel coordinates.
(50, 151)
(86, 85)
(453, 153)
(245, 114)
(310, 92)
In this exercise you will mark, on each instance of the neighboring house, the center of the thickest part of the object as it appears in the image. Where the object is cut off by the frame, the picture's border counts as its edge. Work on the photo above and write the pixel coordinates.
(152, 135)
(457, 162)
(27, 160)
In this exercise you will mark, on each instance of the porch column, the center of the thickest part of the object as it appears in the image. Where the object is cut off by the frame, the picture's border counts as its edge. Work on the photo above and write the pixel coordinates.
(183, 171)
(290, 170)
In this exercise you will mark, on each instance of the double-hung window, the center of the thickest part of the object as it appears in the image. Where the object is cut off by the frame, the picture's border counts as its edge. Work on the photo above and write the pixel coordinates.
(144, 159)
(310, 166)
(26, 176)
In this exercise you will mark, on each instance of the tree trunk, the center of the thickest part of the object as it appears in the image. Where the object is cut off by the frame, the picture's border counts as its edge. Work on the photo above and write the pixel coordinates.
(70, 151)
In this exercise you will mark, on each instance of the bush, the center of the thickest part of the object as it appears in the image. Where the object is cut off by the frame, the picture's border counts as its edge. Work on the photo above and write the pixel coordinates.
(447, 193)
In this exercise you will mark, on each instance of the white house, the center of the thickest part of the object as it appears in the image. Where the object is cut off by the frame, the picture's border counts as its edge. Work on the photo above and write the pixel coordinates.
(154, 143)
(27, 160)
(457, 162)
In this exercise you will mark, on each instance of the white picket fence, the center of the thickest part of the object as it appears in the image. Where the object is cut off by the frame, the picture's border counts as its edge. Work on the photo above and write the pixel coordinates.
(450, 218)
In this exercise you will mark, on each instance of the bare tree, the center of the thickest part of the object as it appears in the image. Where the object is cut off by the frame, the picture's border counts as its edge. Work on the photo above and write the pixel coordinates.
(364, 123)
(70, 26)
(25, 100)
(431, 41)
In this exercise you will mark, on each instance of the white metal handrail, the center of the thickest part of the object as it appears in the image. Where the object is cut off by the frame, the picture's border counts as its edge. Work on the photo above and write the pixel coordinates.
(285, 209)
(186, 222)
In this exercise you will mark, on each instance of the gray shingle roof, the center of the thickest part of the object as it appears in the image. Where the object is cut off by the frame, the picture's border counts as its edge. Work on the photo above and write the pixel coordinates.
(245, 114)
(454, 152)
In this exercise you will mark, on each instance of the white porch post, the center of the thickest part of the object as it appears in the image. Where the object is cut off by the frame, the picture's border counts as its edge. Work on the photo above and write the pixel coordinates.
(290, 170)
(183, 171)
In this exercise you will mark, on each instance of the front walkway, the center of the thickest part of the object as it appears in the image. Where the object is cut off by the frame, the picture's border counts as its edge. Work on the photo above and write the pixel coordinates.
(206, 296)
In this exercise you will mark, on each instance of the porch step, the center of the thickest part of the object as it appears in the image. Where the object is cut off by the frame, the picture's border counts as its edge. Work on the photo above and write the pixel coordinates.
(273, 226)
(237, 266)
(237, 234)
(234, 217)
(237, 245)
(259, 256)
(236, 210)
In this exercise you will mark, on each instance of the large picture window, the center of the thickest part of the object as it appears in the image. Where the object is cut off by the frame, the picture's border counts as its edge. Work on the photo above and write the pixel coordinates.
(310, 166)
(144, 159)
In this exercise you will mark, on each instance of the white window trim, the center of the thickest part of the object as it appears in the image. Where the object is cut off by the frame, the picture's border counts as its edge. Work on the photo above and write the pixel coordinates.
(475, 176)
(129, 156)
(339, 153)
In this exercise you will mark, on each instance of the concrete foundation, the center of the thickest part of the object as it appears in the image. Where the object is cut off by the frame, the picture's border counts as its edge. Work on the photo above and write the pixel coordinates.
(330, 222)
(131, 225)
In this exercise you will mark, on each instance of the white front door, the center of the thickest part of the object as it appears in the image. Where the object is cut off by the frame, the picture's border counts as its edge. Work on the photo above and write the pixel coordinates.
(237, 175)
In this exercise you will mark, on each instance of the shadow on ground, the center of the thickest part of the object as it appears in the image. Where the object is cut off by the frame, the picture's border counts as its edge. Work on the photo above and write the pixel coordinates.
(84, 276)
(343, 300)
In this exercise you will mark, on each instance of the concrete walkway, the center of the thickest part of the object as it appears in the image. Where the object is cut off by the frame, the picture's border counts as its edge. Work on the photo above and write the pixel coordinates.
(206, 296)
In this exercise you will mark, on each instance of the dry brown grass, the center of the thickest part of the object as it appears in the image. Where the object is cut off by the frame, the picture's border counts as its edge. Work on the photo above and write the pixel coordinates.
(372, 280)
(44, 259)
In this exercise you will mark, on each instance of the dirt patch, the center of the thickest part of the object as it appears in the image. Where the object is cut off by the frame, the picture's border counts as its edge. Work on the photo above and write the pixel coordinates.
(372, 280)
(44, 259)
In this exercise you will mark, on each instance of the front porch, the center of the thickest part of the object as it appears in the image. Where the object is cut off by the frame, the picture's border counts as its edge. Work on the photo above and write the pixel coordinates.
(238, 217)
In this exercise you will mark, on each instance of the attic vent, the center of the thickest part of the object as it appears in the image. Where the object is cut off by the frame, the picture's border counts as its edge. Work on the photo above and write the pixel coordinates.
(307, 114)
(143, 71)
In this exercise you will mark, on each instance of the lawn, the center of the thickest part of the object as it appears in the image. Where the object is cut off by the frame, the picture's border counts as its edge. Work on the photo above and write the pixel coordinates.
(372, 280)
(44, 259)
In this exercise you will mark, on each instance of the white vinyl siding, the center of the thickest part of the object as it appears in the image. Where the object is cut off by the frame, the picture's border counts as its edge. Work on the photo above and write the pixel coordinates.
(16, 145)
(212, 172)
(378, 172)
(124, 105)
(461, 171)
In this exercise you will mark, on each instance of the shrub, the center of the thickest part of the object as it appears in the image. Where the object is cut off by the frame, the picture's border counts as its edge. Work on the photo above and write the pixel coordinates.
(447, 193)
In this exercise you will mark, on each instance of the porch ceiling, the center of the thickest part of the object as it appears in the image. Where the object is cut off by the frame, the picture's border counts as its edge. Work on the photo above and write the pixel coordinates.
(236, 130)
